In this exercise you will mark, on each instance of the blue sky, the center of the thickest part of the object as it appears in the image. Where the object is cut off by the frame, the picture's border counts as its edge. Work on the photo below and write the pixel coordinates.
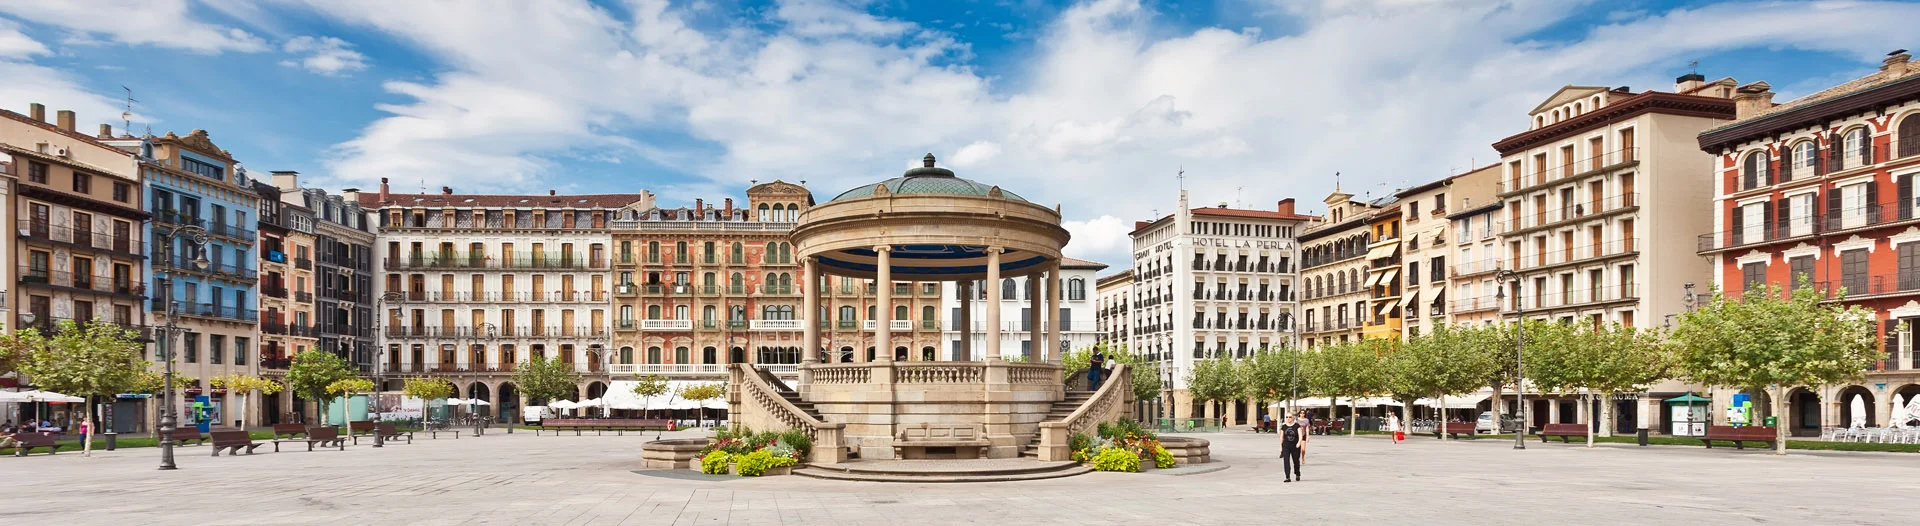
(1092, 104)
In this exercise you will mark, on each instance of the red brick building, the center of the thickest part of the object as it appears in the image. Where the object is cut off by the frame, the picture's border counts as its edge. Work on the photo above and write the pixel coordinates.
(1819, 191)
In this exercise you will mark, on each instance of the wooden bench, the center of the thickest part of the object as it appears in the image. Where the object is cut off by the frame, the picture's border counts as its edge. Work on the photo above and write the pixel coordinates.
(1455, 429)
(1265, 427)
(183, 435)
(391, 432)
(29, 440)
(232, 441)
(1564, 431)
(359, 428)
(599, 425)
(965, 440)
(1739, 435)
(324, 436)
(284, 431)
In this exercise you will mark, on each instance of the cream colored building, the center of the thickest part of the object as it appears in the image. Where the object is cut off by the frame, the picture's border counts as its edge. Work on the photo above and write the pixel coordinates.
(1112, 294)
(1477, 260)
(1429, 247)
(1333, 269)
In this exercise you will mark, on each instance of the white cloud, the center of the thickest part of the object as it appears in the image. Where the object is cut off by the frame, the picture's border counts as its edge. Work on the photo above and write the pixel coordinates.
(1108, 107)
(1102, 239)
(324, 55)
(17, 45)
(163, 23)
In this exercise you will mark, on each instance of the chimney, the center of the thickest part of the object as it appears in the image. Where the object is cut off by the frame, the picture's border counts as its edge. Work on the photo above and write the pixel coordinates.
(1752, 99)
(286, 180)
(383, 190)
(1898, 64)
(66, 120)
(1689, 82)
(106, 131)
(729, 208)
(38, 111)
(350, 195)
(1286, 206)
(446, 190)
(551, 193)
(700, 208)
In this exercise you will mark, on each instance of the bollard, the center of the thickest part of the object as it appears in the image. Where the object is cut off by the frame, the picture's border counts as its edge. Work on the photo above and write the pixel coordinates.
(112, 437)
(1643, 436)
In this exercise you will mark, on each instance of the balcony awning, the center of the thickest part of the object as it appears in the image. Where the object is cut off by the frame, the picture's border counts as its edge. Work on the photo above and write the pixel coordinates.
(1386, 278)
(1383, 251)
(1372, 279)
(1404, 300)
(1383, 308)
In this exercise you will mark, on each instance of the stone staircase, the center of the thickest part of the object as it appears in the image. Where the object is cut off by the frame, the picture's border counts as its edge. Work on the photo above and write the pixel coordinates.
(932, 471)
(1060, 411)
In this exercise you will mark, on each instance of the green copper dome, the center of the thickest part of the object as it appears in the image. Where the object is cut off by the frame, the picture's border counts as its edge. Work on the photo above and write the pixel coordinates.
(927, 180)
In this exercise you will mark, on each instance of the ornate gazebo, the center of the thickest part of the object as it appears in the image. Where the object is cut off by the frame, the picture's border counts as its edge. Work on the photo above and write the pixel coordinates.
(926, 225)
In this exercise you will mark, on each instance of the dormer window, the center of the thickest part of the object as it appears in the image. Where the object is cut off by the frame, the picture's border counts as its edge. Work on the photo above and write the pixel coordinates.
(204, 169)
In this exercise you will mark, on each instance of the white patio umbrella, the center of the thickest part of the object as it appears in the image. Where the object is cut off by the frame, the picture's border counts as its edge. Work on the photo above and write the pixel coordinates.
(478, 401)
(456, 401)
(1859, 412)
(1899, 416)
(37, 396)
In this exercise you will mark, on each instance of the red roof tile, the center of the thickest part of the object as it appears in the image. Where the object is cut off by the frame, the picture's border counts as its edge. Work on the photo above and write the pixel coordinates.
(372, 200)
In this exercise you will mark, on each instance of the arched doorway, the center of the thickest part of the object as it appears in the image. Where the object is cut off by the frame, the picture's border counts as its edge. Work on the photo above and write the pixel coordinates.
(479, 391)
(1803, 412)
(1847, 414)
(1905, 396)
(270, 406)
(926, 354)
(596, 389)
(509, 403)
(709, 355)
(846, 355)
(900, 354)
(738, 355)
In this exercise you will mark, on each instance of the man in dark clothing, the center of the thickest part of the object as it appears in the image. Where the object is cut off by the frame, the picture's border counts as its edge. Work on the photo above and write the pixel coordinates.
(1095, 366)
(1291, 435)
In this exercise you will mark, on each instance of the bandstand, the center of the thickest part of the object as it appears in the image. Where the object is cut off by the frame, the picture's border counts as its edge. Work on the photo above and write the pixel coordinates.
(930, 225)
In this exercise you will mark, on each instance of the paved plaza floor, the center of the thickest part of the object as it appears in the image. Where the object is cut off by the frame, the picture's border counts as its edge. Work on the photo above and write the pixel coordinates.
(523, 479)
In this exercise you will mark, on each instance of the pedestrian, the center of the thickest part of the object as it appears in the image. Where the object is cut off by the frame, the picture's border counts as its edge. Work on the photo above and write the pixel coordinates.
(1095, 366)
(1306, 428)
(1292, 437)
(1393, 426)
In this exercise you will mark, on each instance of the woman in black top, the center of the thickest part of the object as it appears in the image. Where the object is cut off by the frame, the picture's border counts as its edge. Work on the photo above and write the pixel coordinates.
(1291, 435)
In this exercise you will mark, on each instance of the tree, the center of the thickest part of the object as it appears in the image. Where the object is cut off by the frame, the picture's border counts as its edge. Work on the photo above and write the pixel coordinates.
(1214, 380)
(1442, 362)
(1770, 339)
(312, 372)
(1351, 370)
(346, 387)
(244, 385)
(548, 379)
(99, 359)
(701, 393)
(1270, 375)
(426, 389)
(647, 387)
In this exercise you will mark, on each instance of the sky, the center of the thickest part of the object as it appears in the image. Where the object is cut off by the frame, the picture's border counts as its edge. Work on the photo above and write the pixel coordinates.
(1094, 105)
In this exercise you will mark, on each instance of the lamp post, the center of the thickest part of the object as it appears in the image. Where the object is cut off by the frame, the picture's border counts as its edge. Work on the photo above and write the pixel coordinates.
(169, 415)
(1519, 344)
(380, 352)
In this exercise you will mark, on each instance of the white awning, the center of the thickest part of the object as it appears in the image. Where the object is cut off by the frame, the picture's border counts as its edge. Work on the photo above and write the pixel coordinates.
(1404, 300)
(1386, 278)
(1455, 402)
(620, 396)
(1372, 279)
(1384, 251)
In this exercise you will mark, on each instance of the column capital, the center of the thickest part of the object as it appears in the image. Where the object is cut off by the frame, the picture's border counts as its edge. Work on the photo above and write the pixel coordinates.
(883, 248)
(996, 250)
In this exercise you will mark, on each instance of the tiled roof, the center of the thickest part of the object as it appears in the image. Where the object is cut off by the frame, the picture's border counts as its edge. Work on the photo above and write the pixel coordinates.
(1071, 263)
(1257, 214)
(372, 200)
(56, 129)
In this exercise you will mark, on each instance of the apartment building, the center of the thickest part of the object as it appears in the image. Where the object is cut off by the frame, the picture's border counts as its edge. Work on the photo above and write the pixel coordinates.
(475, 284)
(1112, 293)
(1473, 276)
(343, 276)
(287, 308)
(1819, 192)
(1333, 267)
(1017, 296)
(1383, 286)
(1429, 246)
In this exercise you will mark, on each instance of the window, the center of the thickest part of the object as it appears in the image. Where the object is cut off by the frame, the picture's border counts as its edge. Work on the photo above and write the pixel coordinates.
(1805, 156)
(37, 172)
(205, 169)
(1800, 270)
(216, 347)
(240, 350)
(1076, 289)
(1754, 174)
(1909, 265)
(82, 183)
(1753, 275)
(122, 192)
(1856, 151)
(1008, 290)
(190, 344)
(1853, 271)
(1909, 137)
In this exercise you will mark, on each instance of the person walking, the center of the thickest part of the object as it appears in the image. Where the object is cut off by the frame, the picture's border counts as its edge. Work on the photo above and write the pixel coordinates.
(1306, 429)
(1095, 366)
(1292, 436)
(1393, 426)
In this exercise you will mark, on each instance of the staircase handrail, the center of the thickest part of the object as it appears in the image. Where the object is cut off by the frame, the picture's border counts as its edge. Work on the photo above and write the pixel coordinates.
(1105, 404)
(827, 442)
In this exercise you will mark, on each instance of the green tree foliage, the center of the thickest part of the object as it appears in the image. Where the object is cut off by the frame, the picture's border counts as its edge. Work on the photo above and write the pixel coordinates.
(1349, 370)
(427, 388)
(1769, 339)
(95, 360)
(311, 373)
(1214, 380)
(1446, 361)
(1270, 375)
(245, 385)
(701, 393)
(1145, 377)
(549, 379)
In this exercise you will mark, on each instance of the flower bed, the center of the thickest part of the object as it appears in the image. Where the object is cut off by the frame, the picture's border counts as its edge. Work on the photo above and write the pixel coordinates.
(750, 454)
(1122, 446)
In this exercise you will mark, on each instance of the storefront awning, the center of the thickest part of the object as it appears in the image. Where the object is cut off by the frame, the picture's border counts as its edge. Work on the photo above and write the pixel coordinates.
(620, 396)
(1455, 402)
(1383, 251)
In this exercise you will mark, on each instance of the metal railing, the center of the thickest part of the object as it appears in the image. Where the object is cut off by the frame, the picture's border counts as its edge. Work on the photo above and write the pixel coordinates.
(129, 244)
(444, 260)
(1868, 286)
(1580, 166)
(1570, 212)
(1580, 253)
(1874, 215)
(1556, 298)
(209, 310)
(505, 297)
(1469, 268)
(57, 278)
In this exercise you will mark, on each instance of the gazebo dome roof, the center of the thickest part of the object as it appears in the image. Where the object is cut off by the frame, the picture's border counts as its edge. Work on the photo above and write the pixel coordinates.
(928, 180)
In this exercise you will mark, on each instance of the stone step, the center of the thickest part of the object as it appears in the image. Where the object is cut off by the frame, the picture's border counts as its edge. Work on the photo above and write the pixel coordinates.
(997, 472)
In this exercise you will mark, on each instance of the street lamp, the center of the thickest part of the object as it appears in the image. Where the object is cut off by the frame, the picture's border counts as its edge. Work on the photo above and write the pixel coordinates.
(169, 417)
(380, 352)
(1519, 343)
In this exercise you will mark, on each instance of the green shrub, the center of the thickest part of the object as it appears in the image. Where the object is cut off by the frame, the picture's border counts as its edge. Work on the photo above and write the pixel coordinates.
(1078, 441)
(757, 463)
(1162, 458)
(1116, 459)
(798, 438)
(714, 463)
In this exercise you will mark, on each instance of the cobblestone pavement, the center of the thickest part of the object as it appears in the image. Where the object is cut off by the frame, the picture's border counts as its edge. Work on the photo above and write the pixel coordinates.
(523, 479)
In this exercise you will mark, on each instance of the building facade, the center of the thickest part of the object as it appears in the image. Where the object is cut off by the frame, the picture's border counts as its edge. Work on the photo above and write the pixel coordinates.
(1112, 295)
(1384, 289)
(344, 252)
(1819, 192)
(1473, 275)
(1430, 245)
(475, 284)
(1016, 296)
(1333, 267)
(1213, 283)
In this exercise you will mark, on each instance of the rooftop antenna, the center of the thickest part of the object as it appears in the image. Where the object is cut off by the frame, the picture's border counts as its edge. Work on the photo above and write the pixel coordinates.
(1336, 182)
(1236, 195)
(126, 117)
(1694, 67)
(1182, 176)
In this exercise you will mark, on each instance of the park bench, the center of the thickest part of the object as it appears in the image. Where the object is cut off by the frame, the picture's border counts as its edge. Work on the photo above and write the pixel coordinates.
(1739, 435)
(181, 436)
(357, 429)
(391, 432)
(1333, 428)
(1455, 429)
(324, 436)
(1564, 431)
(283, 431)
(29, 441)
(955, 437)
(232, 441)
(1265, 427)
(599, 425)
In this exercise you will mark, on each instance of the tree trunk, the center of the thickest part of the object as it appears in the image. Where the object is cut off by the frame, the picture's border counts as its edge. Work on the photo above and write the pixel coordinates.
(86, 439)
(1592, 418)
(1443, 417)
(1499, 408)
(1779, 430)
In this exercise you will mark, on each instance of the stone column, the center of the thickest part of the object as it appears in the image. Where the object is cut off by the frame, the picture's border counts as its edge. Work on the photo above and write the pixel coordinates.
(1053, 313)
(883, 311)
(810, 310)
(993, 303)
(965, 352)
(1036, 330)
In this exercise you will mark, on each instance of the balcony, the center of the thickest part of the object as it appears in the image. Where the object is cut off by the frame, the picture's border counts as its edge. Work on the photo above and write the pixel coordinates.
(273, 289)
(626, 289)
(1606, 161)
(1867, 287)
(666, 368)
(34, 230)
(1579, 254)
(303, 297)
(1468, 305)
(209, 310)
(736, 324)
(457, 261)
(303, 263)
(1848, 219)
(657, 288)
(80, 282)
(505, 297)
(666, 325)
(1470, 268)
(1568, 212)
(626, 324)
(234, 232)
(175, 218)
(896, 325)
(1569, 299)
(234, 273)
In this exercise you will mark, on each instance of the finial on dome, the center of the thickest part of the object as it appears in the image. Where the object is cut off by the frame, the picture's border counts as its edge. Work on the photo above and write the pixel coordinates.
(927, 161)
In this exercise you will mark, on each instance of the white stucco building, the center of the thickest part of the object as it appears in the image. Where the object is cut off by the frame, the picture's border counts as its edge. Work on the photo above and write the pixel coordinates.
(1077, 311)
